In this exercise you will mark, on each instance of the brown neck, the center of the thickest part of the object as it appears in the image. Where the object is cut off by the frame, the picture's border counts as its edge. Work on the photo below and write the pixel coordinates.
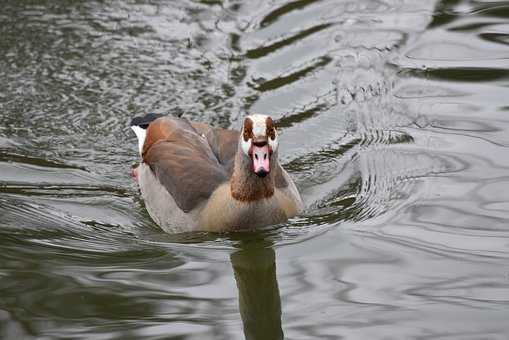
(245, 185)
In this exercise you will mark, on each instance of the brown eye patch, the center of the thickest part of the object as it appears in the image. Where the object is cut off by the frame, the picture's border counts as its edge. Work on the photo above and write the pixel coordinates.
(248, 129)
(271, 129)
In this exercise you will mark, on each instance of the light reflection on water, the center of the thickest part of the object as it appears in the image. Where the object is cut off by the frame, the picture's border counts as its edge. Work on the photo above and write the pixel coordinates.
(393, 121)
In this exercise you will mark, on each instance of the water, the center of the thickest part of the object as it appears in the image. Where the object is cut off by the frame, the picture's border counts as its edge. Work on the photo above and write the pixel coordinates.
(394, 124)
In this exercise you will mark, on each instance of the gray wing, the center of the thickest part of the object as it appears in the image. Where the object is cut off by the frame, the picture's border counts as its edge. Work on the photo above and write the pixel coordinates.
(223, 142)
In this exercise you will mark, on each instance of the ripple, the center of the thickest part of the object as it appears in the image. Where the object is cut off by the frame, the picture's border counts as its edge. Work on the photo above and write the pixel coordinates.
(284, 9)
(464, 74)
(454, 51)
(262, 51)
(393, 123)
(272, 84)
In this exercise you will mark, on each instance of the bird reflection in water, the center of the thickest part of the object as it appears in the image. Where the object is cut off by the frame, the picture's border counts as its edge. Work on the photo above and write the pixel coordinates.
(259, 301)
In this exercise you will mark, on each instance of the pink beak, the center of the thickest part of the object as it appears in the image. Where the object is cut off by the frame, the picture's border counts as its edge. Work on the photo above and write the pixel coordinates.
(261, 164)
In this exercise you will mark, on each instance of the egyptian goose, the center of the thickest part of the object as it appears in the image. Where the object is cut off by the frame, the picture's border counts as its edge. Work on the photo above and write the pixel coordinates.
(194, 177)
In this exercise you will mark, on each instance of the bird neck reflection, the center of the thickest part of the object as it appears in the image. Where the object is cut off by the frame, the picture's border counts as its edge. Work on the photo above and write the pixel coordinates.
(259, 301)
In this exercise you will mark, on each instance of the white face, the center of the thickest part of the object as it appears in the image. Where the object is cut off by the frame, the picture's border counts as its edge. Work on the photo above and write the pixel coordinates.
(257, 128)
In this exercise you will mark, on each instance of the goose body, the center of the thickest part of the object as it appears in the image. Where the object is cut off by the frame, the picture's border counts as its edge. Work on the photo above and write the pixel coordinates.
(194, 177)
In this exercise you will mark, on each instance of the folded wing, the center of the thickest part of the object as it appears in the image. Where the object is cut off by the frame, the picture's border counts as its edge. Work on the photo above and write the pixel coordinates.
(183, 161)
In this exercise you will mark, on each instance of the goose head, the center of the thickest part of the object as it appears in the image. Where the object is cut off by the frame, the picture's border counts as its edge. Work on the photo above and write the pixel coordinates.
(259, 143)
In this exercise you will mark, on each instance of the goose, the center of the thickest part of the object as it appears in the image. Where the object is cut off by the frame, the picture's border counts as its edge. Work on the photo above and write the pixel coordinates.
(193, 177)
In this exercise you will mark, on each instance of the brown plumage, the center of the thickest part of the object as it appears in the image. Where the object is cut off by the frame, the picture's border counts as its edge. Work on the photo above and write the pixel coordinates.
(206, 176)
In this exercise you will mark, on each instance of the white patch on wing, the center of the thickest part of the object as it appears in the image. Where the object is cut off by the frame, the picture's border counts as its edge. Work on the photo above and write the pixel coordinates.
(141, 134)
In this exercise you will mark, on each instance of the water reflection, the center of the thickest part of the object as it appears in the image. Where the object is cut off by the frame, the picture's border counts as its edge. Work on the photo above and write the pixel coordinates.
(259, 300)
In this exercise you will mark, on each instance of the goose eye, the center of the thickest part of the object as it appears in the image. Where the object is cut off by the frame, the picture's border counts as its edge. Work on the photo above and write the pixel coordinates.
(247, 130)
(272, 133)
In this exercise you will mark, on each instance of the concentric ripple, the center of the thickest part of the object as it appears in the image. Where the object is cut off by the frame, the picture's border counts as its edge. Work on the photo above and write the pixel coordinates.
(393, 121)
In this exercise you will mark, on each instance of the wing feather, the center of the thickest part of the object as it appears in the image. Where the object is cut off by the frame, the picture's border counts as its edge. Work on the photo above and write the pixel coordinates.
(182, 161)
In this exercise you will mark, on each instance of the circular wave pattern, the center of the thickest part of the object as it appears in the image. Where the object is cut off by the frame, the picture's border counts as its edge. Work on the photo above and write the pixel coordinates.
(393, 122)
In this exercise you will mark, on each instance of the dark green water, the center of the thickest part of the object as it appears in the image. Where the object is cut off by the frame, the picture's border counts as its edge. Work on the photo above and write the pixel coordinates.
(394, 119)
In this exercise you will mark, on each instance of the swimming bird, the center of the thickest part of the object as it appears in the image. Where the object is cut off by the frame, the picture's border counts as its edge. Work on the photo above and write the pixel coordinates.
(196, 177)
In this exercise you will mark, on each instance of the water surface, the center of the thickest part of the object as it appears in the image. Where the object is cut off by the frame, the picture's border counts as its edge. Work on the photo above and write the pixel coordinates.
(393, 119)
